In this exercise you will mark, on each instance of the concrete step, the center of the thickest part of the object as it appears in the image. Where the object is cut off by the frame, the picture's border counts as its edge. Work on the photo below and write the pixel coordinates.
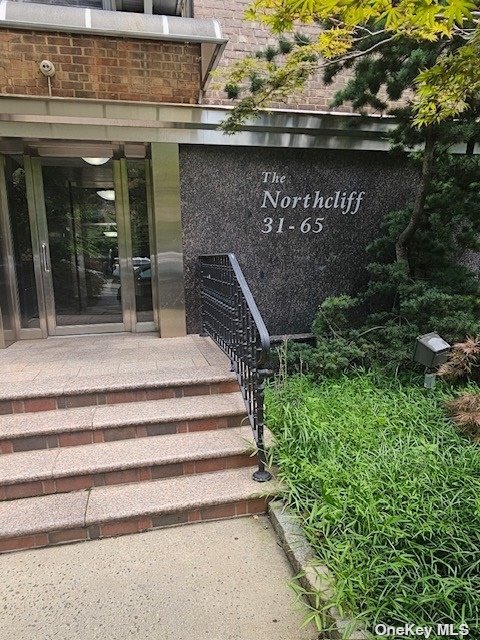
(116, 510)
(86, 425)
(50, 394)
(35, 473)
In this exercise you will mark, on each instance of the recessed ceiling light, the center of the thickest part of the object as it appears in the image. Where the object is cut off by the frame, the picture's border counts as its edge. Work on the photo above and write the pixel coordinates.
(106, 194)
(96, 161)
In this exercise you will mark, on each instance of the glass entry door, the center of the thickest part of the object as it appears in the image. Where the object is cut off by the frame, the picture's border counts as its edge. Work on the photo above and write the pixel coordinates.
(85, 245)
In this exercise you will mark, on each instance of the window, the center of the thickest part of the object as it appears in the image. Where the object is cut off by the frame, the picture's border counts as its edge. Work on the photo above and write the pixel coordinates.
(182, 8)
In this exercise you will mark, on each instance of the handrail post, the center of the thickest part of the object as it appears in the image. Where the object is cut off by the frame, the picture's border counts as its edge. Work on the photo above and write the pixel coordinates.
(261, 475)
(204, 333)
(231, 318)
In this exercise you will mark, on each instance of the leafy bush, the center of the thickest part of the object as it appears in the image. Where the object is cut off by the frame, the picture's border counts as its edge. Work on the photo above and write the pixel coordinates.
(387, 492)
(387, 338)
(291, 357)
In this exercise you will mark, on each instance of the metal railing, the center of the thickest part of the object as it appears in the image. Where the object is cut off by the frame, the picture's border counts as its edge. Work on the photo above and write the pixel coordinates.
(231, 318)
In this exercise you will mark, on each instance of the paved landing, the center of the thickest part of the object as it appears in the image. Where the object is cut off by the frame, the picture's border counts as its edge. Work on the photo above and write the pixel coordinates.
(225, 580)
(79, 357)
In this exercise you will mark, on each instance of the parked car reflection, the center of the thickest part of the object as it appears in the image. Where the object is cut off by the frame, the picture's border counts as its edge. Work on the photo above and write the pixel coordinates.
(170, 274)
(143, 288)
(138, 263)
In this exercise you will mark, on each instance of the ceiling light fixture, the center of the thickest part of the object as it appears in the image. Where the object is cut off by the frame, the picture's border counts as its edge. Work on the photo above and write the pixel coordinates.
(106, 194)
(96, 161)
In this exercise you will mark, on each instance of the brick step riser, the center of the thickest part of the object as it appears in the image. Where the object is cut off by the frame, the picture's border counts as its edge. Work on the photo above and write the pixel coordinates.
(126, 476)
(136, 525)
(73, 438)
(88, 399)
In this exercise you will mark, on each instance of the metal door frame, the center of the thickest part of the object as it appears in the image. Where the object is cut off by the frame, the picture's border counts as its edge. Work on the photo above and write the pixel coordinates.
(11, 305)
(41, 252)
(122, 203)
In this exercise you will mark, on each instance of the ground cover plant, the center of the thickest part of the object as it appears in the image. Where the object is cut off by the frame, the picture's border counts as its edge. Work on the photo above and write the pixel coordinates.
(388, 493)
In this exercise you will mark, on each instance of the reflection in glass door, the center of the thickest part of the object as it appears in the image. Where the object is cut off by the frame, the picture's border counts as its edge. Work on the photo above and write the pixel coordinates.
(81, 250)
(91, 237)
(80, 233)
(141, 234)
(17, 206)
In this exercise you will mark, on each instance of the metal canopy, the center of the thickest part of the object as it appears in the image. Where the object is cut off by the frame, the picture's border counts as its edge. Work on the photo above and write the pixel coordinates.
(25, 122)
(103, 121)
(34, 119)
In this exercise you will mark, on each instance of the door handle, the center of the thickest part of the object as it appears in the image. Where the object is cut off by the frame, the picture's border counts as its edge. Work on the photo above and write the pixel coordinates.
(46, 264)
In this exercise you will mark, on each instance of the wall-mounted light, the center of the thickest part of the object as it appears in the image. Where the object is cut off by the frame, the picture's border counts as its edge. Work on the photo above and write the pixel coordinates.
(96, 161)
(106, 194)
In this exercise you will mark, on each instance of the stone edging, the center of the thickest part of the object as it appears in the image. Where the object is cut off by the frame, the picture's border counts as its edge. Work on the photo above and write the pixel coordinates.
(315, 578)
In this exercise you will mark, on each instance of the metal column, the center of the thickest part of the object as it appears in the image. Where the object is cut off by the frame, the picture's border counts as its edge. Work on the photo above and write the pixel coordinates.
(168, 249)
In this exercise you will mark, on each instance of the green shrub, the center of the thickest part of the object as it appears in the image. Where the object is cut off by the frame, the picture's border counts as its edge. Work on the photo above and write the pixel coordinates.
(386, 339)
(387, 492)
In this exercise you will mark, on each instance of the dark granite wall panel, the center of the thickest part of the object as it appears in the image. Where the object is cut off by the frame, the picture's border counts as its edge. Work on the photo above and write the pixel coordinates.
(226, 196)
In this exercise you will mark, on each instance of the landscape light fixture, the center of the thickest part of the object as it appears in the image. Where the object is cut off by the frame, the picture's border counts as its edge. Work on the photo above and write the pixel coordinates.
(96, 162)
(431, 351)
(106, 194)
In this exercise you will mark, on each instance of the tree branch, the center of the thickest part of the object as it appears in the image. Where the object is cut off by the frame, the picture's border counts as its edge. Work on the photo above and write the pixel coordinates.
(271, 92)
(403, 240)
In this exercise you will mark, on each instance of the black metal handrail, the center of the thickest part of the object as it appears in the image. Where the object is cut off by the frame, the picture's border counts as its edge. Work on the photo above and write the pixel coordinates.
(231, 318)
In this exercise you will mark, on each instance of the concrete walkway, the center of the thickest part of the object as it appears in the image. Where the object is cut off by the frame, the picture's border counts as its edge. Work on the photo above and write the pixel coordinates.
(225, 580)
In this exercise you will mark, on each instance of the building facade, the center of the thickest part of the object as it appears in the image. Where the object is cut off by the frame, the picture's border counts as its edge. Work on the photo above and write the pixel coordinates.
(114, 176)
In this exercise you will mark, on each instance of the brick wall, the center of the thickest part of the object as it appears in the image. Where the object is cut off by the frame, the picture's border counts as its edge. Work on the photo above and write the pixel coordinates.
(247, 37)
(99, 67)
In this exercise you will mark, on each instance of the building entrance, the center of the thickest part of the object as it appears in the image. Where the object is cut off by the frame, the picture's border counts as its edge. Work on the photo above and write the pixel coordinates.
(81, 232)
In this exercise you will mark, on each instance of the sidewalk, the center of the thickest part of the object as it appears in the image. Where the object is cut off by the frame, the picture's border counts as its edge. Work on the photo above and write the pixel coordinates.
(225, 580)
